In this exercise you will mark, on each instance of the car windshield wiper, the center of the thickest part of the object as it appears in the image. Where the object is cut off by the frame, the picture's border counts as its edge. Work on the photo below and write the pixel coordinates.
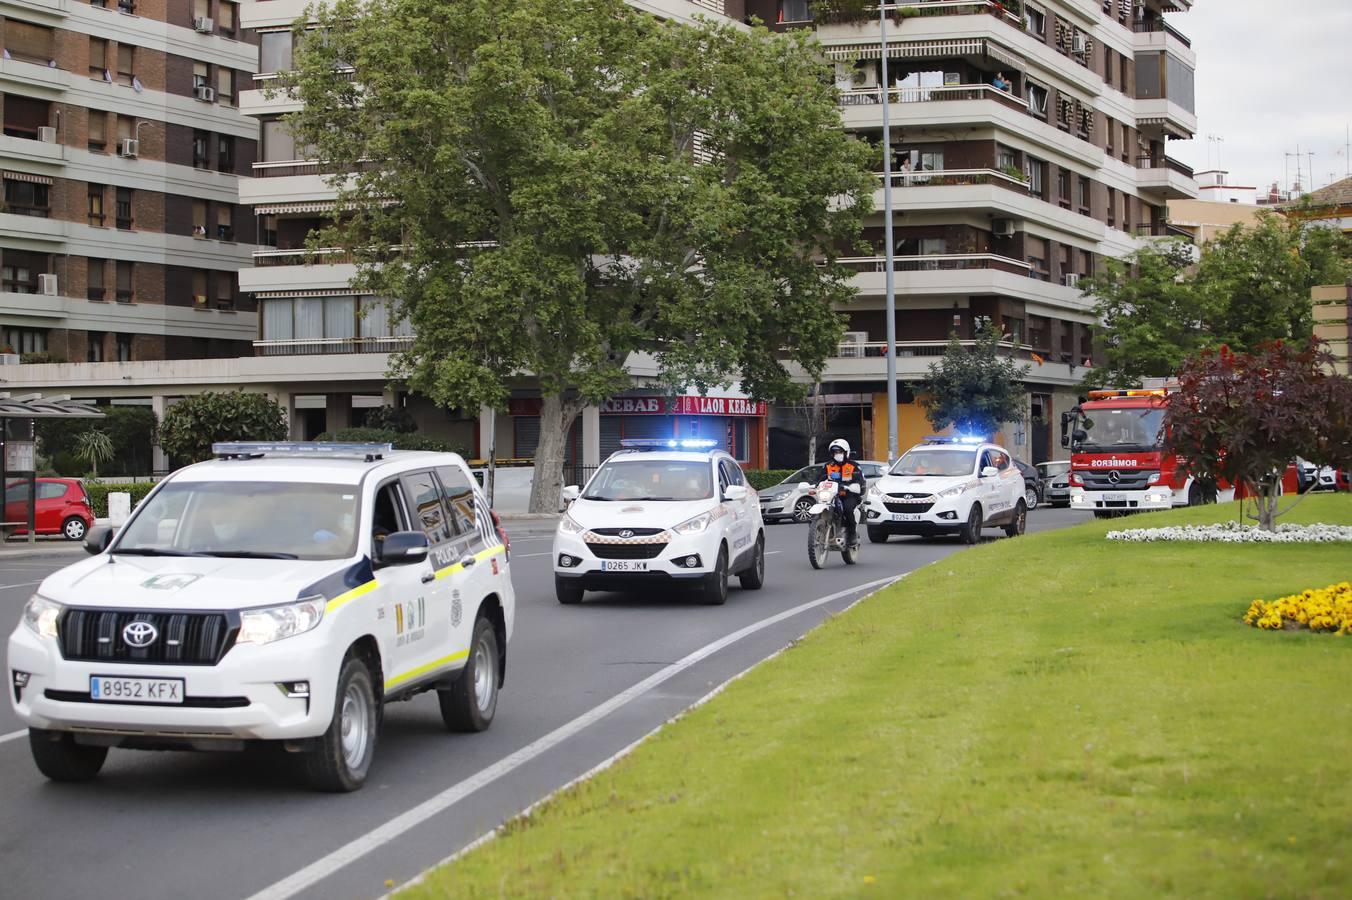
(595, 497)
(646, 499)
(247, 554)
(151, 551)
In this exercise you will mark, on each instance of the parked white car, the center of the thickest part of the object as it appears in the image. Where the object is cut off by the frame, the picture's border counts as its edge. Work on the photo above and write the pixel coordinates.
(947, 486)
(789, 501)
(281, 592)
(660, 513)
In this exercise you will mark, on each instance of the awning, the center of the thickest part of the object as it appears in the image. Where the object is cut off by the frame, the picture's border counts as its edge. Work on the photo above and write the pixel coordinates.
(929, 50)
(282, 295)
(277, 209)
(24, 176)
(33, 406)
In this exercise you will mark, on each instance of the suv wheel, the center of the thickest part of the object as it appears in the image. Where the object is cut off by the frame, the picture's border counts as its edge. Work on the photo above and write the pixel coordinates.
(73, 529)
(878, 535)
(715, 592)
(346, 748)
(1017, 525)
(971, 529)
(469, 704)
(61, 759)
(753, 579)
(566, 592)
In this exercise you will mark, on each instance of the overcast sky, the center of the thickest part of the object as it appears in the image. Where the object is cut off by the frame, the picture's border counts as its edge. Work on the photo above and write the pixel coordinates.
(1271, 74)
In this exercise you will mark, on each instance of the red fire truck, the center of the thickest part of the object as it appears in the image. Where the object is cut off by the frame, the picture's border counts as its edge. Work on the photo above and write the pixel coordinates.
(1118, 463)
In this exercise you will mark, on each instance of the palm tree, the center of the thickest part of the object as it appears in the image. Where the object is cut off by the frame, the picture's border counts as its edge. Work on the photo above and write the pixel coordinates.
(94, 447)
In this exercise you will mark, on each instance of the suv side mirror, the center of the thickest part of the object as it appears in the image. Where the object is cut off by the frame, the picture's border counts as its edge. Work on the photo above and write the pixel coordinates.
(734, 492)
(571, 493)
(990, 472)
(97, 539)
(402, 548)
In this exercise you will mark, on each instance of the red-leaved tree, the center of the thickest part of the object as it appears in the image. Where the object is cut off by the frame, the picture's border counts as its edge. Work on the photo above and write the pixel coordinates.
(1244, 417)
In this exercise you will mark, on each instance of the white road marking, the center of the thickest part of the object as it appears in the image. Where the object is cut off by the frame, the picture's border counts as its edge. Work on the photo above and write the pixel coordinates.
(529, 555)
(13, 735)
(324, 867)
(5, 587)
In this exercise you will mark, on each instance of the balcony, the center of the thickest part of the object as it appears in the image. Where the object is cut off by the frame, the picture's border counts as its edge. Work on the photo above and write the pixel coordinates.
(1159, 26)
(323, 256)
(1166, 176)
(874, 96)
(908, 349)
(327, 346)
(947, 262)
(956, 177)
(925, 8)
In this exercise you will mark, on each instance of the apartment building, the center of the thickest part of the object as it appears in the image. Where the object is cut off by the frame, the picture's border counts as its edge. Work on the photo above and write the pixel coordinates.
(123, 148)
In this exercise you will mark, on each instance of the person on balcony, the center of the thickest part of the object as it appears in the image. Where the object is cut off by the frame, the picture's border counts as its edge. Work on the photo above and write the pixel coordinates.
(1000, 83)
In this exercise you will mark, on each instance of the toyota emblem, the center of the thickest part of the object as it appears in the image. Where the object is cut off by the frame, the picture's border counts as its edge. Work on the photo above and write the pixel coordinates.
(139, 634)
(1114, 476)
(626, 534)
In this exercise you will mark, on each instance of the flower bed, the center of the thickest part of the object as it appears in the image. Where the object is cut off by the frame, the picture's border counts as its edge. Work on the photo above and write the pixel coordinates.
(1235, 533)
(1321, 609)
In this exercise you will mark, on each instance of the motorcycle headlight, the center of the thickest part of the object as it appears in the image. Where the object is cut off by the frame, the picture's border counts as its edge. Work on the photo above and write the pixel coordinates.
(263, 626)
(568, 525)
(41, 615)
(954, 491)
(697, 525)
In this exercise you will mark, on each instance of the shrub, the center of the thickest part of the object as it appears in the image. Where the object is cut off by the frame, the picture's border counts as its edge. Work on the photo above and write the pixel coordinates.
(389, 418)
(400, 440)
(194, 423)
(760, 479)
(40, 357)
(98, 494)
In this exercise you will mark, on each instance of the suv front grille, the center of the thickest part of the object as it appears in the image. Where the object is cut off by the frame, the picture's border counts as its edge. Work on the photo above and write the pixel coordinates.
(627, 532)
(625, 551)
(183, 638)
(909, 506)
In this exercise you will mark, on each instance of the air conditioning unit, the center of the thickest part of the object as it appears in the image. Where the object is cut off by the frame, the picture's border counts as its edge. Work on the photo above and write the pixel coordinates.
(203, 25)
(47, 285)
(1002, 227)
(205, 93)
(128, 147)
(1070, 279)
(865, 77)
(47, 134)
(1079, 43)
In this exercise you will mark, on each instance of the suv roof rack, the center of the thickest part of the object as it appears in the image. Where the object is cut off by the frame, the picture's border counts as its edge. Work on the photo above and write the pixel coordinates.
(689, 444)
(259, 449)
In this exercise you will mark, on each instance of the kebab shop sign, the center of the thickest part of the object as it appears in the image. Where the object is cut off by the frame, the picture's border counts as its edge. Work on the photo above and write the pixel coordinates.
(661, 406)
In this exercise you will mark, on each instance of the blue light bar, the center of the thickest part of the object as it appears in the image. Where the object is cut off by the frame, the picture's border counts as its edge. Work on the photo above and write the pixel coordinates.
(953, 439)
(332, 450)
(667, 444)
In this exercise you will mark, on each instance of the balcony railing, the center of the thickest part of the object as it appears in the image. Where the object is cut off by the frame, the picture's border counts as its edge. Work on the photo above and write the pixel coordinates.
(326, 346)
(1164, 162)
(944, 177)
(1156, 25)
(281, 168)
(265, 80)
(874, 96)
(878, 349)
(947, 262)
(925, 8)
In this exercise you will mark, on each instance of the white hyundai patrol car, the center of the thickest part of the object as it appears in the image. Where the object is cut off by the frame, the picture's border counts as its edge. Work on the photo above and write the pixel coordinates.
(947, 486)
(661, 513)
(281, 592)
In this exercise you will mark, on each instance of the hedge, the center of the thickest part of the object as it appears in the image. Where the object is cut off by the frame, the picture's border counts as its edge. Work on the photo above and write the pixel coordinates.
(760, 479)
(98, 494)
(400, 439)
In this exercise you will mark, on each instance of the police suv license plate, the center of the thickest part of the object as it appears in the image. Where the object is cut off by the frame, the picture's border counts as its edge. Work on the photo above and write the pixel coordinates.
(623, 565)
(905, 517)
(113, 689)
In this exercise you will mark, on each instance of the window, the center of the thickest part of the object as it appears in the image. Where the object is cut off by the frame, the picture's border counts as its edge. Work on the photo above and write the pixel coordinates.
(95, 352)
(126, 6)
(1112, 207)
(1086, 264)
(1108, 66)
(1037, 174)
(25, 198)
(19, 274)
(267, 231)
(225, 222)
(225, 290)
(1082, 194)
(1035, 20)
(26, 340)
(1111, 129)
(1037, 101)
(225, 153)
(278, 145)
(425, 494)
(201, 143)
(1005, 158)
(123, 211)
(226, 13)
(125, 292)
(225, 86)
(126, 60)
(1063, 187)
(98, 131)
(126, 128)
(199, 220)
(29, 43)
(95, 289)
(794, 11)
(458, 495)
(274, 52)
(98, 57)
(123, 347)
(201, 9)
(201, 75)
(96, 193)
(199, 289)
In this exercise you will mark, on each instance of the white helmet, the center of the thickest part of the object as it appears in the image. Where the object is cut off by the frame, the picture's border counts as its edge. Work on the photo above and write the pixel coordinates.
(840, 444)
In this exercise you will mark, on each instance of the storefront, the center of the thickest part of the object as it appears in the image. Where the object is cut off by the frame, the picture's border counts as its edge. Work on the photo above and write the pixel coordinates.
(736, 424)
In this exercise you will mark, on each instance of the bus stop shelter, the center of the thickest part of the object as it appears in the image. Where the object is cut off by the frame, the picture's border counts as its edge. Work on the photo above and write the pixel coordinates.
(18, 453)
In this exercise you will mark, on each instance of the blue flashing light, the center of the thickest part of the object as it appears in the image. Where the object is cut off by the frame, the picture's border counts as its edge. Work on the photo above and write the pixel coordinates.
(257, 449)
(667, 444)
(954, 439)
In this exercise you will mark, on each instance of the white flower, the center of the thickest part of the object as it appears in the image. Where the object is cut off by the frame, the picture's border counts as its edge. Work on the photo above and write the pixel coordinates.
(1235, 533)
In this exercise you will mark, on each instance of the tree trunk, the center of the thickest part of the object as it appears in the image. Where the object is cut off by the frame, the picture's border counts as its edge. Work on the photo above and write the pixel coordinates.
(556, 417)
(1267, 504)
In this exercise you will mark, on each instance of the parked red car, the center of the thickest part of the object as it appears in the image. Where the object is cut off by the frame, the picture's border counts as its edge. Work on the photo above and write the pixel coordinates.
(63, 508)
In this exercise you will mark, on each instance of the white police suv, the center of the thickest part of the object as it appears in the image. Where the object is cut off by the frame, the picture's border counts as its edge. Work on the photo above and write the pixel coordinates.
(281, 592)
(947, 486)
(661, 513)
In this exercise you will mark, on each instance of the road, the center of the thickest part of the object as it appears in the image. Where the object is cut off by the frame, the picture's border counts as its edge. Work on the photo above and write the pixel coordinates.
(170, 825)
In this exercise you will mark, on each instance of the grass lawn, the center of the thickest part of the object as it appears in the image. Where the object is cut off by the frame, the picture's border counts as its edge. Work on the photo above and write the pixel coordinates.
(1052, 715)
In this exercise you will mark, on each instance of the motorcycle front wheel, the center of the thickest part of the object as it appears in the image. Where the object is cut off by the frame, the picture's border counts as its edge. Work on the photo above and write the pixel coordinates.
(819, 539)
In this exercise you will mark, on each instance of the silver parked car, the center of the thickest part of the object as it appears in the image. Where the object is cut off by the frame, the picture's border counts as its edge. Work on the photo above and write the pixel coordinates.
(1056, 481)
(785, 501)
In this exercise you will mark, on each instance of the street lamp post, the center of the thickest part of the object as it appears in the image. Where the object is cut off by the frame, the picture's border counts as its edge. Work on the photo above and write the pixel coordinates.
(888, 251)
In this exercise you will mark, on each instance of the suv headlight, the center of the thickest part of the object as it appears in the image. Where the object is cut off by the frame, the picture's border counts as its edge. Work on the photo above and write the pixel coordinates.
(41, 615)
(568, 525)
(875, 492)
(954, 491)
(697, 525)
(263, 626)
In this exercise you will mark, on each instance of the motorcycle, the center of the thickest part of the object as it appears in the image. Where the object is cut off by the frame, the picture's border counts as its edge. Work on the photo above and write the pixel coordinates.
(826, 528)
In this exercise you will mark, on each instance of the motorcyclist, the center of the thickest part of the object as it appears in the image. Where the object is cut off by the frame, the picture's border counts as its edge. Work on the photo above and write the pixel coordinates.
(841, 469)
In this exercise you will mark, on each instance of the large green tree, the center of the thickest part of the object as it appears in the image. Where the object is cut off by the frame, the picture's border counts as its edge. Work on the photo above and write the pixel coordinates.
(573, 186)
(975, 389)
(1159, 306)
(193, 424)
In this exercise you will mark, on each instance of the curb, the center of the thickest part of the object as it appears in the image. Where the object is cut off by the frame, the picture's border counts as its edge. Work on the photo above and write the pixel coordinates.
(39, 550)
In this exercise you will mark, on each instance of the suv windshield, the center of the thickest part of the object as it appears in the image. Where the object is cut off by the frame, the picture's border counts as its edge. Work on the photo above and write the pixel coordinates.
(945, 463)
(269, 520)
(652, 479)
(1122, 430)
